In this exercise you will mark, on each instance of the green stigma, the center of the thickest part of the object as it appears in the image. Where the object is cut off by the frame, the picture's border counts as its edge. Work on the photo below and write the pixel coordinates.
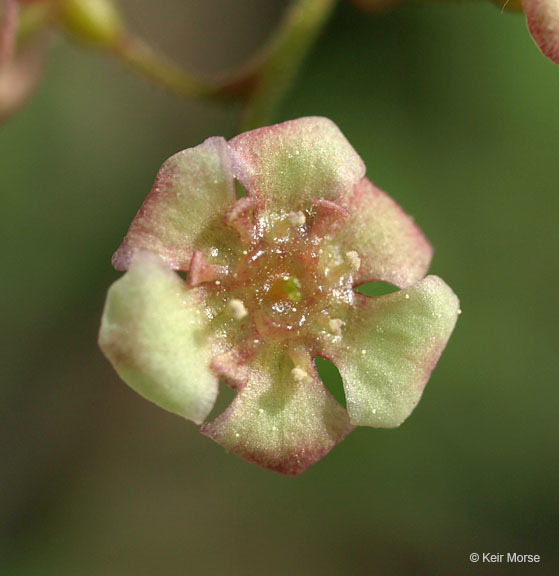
(292, 288)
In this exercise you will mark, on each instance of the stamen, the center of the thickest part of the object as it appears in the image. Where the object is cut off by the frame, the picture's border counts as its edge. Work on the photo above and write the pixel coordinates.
(237, 309)
(296, 218)
(335, 325)
(353, 260)
(299, 375)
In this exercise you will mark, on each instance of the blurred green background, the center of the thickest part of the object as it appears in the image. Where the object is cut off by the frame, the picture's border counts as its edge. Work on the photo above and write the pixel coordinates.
(456, 115)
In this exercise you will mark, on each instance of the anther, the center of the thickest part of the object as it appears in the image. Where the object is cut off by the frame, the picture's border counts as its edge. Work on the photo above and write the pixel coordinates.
(296, 218)
(335, 325)
(299, 375)
(353, 260)
(236, 309)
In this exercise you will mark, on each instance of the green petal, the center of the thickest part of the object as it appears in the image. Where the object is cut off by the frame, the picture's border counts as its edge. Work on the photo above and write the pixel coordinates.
(278, 420)
(285, 166)
(192, 192)
(390, 348)
(153, 332)
(391, 247)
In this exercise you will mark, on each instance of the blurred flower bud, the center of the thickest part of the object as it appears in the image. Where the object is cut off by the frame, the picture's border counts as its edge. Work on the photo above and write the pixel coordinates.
(93, 21)
(542, 17)
(20, 76)
(21, 63)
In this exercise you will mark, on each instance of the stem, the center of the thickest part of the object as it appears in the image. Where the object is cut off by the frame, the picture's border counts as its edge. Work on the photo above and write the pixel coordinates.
(261, 83)
(144, 59)
(275, 69)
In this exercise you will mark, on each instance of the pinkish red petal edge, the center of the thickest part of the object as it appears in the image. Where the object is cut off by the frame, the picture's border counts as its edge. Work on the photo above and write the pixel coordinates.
(542, 17)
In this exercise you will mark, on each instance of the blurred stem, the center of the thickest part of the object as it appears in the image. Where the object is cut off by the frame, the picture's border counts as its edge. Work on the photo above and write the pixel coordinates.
(144, 59)
(261, 83)
(275, 69)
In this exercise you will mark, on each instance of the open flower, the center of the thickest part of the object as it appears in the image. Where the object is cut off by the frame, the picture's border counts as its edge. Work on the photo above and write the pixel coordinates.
(270, 286)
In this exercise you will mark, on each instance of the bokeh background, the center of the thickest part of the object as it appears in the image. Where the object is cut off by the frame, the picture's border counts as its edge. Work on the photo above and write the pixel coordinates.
(456, 115)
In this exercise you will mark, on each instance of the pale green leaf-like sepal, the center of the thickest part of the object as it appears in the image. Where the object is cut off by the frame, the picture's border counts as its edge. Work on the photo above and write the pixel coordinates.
(154, 333)
(390, 245)
(284, 167)
(183, 212)
(390, 348)
(283, 418)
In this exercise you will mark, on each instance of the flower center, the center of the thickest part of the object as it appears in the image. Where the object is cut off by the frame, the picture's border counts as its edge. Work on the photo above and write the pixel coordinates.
(288, 287)
(278, 283)
(289, 284)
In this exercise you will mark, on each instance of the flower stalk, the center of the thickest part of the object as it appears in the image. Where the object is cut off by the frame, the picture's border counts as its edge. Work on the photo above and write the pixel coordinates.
(144, 59)
(260, 84)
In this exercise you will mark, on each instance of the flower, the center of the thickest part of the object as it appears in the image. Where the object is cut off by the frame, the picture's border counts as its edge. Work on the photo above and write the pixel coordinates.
(269, 287)
(542, 17)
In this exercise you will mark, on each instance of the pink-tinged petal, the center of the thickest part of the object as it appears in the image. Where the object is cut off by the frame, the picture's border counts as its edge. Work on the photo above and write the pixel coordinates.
(284, 166)
(154, 333)
(390, 348)
(542, 17)
(183, 212)
(8, 24)
(283, 418)
(389, 244)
